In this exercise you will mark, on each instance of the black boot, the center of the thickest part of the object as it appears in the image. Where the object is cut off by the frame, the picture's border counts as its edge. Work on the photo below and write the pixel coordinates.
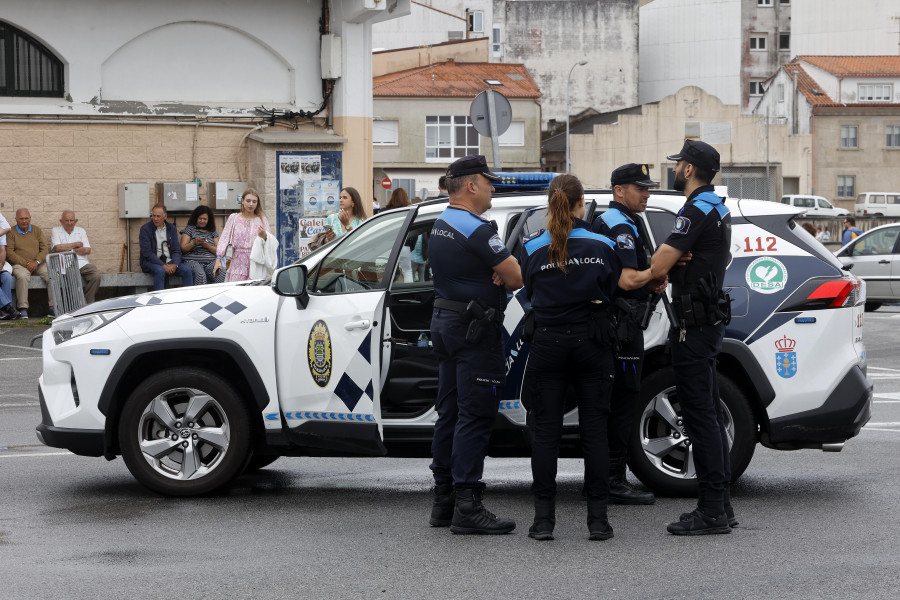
(729, 510)
(442, 505)
(544, 518)
(470, 517)
(622, 492)
(597, 522)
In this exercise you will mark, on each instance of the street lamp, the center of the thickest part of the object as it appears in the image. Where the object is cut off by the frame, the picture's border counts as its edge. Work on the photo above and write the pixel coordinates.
(568, 81)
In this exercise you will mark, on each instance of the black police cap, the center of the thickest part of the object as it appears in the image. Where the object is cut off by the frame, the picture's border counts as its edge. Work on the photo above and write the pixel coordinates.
(699, 154)
(633, 173)
(471, 165)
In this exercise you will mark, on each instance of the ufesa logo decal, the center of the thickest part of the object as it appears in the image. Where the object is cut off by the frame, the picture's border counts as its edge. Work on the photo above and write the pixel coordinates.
(318, 351)
(786, 358)
(766, 275)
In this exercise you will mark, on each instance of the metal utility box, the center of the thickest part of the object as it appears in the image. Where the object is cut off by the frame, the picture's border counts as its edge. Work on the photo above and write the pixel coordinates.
(331, 56)
(178, 196)
(134, 200)
(225, 195)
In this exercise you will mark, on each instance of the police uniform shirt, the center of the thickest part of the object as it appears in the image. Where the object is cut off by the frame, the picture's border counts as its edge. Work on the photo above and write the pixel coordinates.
(618, 224)
(592, 272)
(703, 227)
(463, 250)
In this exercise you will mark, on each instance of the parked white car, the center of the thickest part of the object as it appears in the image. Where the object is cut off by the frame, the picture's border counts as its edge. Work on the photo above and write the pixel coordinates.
(193, 386)
(814, 206)
(874, 257)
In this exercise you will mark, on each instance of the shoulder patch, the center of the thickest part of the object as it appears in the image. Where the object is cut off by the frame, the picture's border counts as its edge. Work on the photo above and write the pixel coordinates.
(625, 241)
(531, 236)
(682, 225)
(497, 245)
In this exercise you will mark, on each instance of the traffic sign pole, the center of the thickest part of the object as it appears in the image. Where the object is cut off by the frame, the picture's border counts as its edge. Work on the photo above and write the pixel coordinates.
(495, 136)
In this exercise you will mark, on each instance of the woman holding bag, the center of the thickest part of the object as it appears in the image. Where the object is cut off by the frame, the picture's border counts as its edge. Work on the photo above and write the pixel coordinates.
(241, 229)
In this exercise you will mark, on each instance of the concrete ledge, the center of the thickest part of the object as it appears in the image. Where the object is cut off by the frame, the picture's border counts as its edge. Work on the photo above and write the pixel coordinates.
(137, 283)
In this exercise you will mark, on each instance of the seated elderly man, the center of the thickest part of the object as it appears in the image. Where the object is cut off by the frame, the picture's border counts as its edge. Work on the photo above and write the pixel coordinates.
(26, 250)
(68, 237)
(161, 250)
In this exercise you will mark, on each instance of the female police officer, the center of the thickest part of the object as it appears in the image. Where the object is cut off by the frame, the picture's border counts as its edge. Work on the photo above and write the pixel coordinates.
(570, 275)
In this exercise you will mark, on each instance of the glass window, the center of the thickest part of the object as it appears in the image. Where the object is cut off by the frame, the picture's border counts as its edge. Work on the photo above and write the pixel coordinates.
(848, 136)
(780, 92)
(893, 136)
(876, 199)
(875, 93)
(764, 2)
(515, 135)
(27, 67)
(878, 242)
(496, 49)
(448, 138)
(756, 87)
(893, 198)
(846, 186)
(476, 21)
(358, 260)
(823, 203)
(784, 41)
(758, 41)
(385, 133)
(415, 272)
(661, 224)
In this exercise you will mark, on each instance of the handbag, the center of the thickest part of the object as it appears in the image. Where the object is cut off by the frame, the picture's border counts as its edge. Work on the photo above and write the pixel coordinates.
(318, 240)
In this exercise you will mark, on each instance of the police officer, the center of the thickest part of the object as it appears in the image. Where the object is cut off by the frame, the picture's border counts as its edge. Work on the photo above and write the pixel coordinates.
(471, 267)
(703, 228)
(631, 185)
(570, 275)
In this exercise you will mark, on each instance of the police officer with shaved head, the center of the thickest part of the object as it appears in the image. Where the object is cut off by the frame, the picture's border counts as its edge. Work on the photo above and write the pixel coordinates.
(631, 185)
(703, 229)
(472, 269)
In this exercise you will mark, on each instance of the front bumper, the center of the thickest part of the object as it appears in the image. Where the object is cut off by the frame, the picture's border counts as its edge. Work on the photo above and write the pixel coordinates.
(841, 417)
(85, 442)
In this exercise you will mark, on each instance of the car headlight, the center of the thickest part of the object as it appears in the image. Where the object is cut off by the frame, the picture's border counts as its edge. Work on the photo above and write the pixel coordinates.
(66, 329)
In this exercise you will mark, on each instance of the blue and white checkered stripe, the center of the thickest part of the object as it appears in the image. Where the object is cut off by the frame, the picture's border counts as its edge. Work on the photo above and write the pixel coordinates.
(515, 310)
(315, 415)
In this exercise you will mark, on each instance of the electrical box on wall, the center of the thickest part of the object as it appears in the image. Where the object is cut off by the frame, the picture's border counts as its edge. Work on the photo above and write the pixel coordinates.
(178, 196)
(331, 56)
(134, 200)
(226, 195)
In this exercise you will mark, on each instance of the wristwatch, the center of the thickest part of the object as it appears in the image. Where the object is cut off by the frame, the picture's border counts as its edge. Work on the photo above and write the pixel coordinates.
(37, 261)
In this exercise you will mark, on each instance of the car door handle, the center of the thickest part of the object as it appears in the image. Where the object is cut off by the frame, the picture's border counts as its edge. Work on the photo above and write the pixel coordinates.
(364, 324)
(884, 262)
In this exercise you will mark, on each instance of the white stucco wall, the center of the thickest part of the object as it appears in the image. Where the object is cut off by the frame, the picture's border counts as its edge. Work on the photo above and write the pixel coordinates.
(690, 42)
(844, 27)
(424, 26)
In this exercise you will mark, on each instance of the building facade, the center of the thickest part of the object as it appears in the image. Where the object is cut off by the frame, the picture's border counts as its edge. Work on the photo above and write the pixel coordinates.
(850, 108)
(196, 92)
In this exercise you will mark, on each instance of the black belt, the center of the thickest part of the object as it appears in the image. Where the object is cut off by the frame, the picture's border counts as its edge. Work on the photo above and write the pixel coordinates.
(450, 305)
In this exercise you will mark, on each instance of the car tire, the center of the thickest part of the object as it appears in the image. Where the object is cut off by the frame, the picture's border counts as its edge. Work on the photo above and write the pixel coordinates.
(185, 432)
(668, 471)
(873, 306)
(260, 461)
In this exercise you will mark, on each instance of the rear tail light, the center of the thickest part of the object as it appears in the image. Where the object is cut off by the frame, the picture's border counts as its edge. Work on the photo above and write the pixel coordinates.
(825, 292)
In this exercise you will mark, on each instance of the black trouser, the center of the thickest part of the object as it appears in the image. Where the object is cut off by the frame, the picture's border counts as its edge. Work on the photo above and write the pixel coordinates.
(694, 361)
(626, 387)
(469, 379)
(560, 355)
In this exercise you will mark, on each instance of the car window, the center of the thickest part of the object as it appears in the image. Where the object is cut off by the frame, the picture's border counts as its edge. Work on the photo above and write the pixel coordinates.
(893, 199)
(877, 242)
(807, 203)
(877, 199)
(412, 266)
(357, 263)
(823, 203)
(661, 224)
(785, 199)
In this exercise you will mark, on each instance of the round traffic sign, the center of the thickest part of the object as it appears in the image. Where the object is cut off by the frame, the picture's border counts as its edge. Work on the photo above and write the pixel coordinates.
(386, 183)
(480, 112)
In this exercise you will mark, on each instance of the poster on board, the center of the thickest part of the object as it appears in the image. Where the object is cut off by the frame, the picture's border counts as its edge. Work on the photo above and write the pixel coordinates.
(309, 185)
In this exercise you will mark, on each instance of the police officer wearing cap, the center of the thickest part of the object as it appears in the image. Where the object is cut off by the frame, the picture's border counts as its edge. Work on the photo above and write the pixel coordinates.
(570, 276)
(703, 229)
(472, 269)
(630, 184)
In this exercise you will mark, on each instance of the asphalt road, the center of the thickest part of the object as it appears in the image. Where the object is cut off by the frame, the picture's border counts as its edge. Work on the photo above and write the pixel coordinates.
(813, 525)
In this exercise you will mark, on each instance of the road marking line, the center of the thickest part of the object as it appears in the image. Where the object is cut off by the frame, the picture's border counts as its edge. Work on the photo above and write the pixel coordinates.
(21, 405)
(884, 369)
(889, 424)
(36, 454)
(23, 358)
(877, 429)
(22, 347)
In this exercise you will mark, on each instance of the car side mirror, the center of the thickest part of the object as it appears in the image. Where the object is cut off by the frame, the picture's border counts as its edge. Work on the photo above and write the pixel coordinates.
(847, 266)
(291, 282)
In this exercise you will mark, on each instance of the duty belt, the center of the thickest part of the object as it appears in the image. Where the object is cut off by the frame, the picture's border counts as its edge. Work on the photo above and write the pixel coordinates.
(469, 309)
(450, 305)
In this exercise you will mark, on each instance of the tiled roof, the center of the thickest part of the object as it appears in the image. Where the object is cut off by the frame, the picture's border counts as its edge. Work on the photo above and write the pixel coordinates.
(808, 86)
(856, 66)
(456, 80)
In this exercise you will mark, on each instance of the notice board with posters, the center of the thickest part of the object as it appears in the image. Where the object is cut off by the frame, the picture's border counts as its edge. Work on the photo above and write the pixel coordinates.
(308, 184)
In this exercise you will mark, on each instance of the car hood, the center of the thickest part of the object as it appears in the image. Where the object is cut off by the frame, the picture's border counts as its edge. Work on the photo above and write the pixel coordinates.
(160, 297)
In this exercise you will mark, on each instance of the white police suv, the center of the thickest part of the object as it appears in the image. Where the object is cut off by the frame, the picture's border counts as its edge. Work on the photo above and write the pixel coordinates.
(194, 386)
